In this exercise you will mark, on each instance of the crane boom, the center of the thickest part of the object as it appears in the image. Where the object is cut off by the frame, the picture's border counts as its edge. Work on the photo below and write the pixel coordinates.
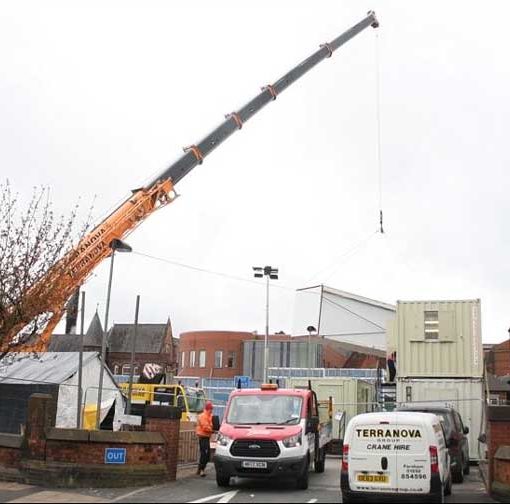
(59, 283)
(234, 121)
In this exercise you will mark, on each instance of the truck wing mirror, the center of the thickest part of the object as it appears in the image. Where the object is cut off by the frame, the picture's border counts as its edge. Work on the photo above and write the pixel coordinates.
(216, 423)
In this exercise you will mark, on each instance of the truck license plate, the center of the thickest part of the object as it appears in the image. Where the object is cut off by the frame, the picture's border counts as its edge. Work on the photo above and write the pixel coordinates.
(248, 464)
(373, 478)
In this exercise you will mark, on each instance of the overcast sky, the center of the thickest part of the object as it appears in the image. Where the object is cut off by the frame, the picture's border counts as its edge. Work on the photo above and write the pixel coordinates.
(97, 97)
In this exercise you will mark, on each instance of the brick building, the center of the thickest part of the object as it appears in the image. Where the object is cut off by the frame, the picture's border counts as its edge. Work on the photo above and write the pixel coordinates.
(497, 359)
(212, 354)
(221, 354)
(154, 345)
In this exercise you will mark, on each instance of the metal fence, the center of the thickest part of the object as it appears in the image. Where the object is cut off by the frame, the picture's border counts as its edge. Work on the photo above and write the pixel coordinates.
(188, 447)
(283, 372)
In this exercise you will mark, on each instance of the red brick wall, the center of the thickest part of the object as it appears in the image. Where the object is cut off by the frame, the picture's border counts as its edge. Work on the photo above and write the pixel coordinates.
(211, 341)
(10, 457)
(498, 434)
(93, 453)
(498, 359)
(170, 430)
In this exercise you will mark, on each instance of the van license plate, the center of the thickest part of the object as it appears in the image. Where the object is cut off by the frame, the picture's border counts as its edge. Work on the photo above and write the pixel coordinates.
(248, 464)
(373, 478)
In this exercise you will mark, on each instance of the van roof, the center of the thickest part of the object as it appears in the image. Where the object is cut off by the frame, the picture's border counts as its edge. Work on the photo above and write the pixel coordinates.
(395, 417)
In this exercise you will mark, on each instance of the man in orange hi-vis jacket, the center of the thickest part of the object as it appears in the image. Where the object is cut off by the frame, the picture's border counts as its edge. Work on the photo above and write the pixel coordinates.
(204, 431)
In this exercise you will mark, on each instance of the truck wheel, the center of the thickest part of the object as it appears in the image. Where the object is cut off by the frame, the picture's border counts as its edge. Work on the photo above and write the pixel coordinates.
(222, 481)
(321, 462)
(302, 482)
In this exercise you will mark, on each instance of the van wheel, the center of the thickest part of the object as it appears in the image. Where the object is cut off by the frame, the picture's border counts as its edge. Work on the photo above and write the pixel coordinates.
(448, 488)
(458, 475)
(222, 481)
(302, 482)
(320, 464)
(347, 499)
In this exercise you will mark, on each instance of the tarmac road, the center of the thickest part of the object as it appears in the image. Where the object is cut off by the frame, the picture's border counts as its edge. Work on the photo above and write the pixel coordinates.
(323, 488)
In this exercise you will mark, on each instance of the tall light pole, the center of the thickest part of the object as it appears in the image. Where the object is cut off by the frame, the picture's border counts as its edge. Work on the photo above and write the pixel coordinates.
(310, 330)
(270, 273)
(120, 246)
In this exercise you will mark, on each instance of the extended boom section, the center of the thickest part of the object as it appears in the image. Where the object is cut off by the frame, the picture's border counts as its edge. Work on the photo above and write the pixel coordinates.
(62, 280)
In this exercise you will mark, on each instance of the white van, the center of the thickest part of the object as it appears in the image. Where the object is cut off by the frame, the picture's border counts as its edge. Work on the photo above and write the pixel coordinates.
(398, 454)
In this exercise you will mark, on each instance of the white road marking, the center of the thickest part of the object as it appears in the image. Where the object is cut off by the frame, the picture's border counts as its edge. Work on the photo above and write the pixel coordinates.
(312, 501)
(134, 492)
(223, 498)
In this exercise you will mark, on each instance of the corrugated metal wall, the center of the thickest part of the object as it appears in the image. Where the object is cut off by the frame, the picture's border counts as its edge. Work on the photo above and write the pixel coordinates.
(457, 353)
(466, 396)
(280, 354)
(350, 395)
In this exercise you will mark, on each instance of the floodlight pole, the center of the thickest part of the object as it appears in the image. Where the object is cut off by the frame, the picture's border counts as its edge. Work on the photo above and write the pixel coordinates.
(270, 273)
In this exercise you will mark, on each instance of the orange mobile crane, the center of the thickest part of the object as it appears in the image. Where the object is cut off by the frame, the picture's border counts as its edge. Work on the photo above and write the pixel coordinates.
(63, 279)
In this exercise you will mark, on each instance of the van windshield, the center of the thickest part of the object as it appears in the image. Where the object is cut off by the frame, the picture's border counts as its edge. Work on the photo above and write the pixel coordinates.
(265, 409)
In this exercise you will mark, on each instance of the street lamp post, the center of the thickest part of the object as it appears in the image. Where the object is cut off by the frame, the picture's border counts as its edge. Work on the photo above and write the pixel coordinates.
(310, 330)
(270, 273)
(120, 246)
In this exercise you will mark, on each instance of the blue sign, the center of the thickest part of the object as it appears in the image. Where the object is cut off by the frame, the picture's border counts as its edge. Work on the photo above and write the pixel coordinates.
(115, 456)
(244, 381)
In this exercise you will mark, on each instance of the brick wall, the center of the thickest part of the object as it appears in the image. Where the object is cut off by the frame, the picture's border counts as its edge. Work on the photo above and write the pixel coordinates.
(212, 341)
(76, 458)
(498, 437)
(166, 421)
(498, 359)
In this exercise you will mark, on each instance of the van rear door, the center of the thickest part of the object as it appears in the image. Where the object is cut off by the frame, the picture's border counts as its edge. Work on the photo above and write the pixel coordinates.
(372, 461)
(390, 457)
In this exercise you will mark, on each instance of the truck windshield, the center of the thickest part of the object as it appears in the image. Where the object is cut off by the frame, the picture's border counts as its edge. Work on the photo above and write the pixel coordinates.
(265, 409)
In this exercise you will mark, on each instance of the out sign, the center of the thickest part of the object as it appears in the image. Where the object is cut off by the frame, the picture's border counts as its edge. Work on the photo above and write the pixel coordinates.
(115, 456)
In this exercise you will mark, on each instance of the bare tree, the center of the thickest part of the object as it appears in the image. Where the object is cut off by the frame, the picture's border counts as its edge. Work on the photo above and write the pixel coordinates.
(33, 241)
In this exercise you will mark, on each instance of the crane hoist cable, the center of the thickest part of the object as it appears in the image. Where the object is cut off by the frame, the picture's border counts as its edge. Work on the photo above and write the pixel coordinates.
(378, 126)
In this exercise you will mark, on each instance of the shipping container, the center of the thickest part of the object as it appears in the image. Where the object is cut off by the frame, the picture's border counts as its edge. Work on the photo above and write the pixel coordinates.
(350, 397)
(435, 339)
(466, 396)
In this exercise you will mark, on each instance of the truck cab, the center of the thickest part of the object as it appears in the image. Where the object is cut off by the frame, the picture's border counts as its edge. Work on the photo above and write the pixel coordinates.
(272, 433)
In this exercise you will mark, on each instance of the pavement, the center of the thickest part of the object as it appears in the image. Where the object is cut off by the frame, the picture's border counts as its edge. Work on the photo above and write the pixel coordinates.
(190, 488)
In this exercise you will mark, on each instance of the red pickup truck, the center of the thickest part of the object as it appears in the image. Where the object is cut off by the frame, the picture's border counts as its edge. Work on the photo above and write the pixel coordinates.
(273, 433)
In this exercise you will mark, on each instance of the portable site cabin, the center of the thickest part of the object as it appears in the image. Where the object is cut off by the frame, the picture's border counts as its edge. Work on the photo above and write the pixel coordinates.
(24, 374)
(351, 397)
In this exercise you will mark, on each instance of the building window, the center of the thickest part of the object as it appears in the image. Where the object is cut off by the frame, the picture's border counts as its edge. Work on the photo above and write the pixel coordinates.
(183, 360)
(431, 325)
(116, 369)
(231, 361)
(137, 370)
(218, 359)
(201, 358)
(126, 369)
(192, 359)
